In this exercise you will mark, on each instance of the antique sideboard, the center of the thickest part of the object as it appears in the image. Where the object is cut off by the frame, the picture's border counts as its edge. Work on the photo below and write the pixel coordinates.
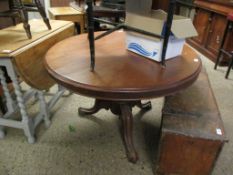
(210, 22)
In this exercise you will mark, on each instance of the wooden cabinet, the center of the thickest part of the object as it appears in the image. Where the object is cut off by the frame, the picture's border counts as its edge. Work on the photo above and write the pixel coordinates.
(201, 19)
(210, 22)
(216, 31)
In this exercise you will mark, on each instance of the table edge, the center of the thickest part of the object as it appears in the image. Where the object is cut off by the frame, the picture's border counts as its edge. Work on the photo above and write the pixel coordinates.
(125, 94)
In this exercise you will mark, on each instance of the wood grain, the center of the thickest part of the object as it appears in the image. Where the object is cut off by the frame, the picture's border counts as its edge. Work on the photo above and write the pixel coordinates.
(27, 55)
(191, 153)
(214, 7)
(119, 74)
(68, 14)
(210, 21)
(201, 24)
(14, 40)
(190, 143)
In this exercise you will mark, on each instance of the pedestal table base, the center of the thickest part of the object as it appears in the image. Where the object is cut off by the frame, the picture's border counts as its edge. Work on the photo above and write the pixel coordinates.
(124, 110)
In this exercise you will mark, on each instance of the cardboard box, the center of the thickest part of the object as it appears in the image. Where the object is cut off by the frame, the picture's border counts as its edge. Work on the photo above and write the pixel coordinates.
(151, 47)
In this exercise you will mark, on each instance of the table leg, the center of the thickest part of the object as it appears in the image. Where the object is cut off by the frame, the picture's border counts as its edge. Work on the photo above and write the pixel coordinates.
(144, 106)
(27, 122)
(124, 110)
(127, 129)
(44, 109)
(99, 104)
(9, 100)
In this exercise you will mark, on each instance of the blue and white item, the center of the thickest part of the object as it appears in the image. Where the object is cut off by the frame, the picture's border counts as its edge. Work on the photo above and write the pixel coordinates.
(155, 22)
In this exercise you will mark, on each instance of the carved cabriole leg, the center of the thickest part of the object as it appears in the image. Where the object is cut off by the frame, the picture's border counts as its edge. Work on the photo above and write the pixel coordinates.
(27, 122)
(124, 110)
(127, 126)
(99, 104)
(144, 106)
(44, 109)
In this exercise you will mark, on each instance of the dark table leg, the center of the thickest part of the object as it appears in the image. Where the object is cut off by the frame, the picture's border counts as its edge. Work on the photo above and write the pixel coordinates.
(124, 110)
(99, 104)
(127, 129)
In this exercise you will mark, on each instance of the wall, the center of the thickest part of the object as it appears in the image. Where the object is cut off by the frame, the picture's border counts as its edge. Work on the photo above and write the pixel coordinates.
(4, 22)
(59, 3)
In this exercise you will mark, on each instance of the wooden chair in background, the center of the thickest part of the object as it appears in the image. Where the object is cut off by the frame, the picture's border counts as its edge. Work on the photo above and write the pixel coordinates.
(20, 9)
(36, 6)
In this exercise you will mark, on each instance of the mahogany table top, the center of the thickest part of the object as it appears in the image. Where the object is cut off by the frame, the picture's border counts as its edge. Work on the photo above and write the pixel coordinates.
(119, 74)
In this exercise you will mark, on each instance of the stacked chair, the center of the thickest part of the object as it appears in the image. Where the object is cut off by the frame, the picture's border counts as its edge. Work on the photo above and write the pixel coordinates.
(20, 9)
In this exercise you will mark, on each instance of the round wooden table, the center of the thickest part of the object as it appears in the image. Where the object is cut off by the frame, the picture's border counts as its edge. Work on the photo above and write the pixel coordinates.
(121, 78)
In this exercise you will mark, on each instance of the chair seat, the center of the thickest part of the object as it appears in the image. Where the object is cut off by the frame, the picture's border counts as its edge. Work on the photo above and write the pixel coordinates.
(230, 17)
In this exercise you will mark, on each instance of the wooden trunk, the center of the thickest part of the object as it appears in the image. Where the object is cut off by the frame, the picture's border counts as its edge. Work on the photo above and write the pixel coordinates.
(210, 21)
(192, 132)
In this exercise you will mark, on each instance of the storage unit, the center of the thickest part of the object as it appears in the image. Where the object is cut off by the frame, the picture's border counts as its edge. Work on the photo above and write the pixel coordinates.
(210, 22)
(192, 132)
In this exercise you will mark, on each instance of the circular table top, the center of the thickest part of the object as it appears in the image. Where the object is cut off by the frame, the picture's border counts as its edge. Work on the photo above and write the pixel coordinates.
(119, 74)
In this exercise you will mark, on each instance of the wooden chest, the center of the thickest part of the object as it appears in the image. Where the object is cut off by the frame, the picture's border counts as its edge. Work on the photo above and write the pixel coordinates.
(192, 132)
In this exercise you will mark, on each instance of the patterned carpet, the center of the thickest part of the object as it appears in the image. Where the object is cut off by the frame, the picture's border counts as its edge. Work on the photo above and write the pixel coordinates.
(92, 146)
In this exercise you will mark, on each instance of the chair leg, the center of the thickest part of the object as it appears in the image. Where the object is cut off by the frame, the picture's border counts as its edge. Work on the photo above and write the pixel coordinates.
(13, 20)
(222, 44)
(24, 18)
(218, 59)
(43, 14)
(229, 68)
